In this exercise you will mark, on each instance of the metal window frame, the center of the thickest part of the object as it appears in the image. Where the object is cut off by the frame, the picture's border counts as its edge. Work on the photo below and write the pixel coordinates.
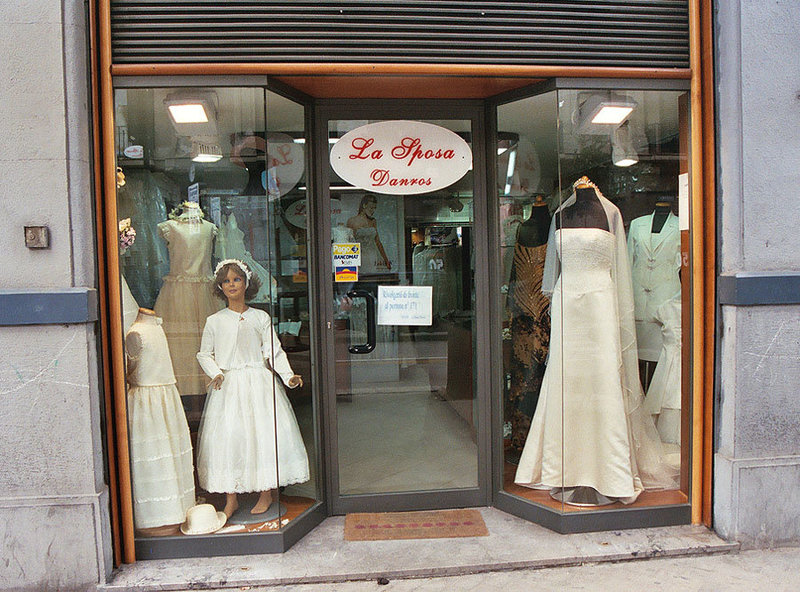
(380, 109)
(279, 541)
(489, 487)
(565, 522)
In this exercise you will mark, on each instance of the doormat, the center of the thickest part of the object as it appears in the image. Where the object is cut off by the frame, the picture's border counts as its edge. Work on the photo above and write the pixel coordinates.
(434, 524)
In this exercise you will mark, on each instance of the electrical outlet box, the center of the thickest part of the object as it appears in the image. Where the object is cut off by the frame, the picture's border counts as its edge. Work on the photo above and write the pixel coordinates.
(37, 237)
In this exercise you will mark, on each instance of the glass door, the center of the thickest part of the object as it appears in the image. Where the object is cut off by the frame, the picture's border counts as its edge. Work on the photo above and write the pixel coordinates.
(406, 423)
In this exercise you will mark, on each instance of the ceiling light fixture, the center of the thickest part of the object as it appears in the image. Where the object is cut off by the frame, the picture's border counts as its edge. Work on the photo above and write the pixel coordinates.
(193, 113)
(206, 152)
(597, 111)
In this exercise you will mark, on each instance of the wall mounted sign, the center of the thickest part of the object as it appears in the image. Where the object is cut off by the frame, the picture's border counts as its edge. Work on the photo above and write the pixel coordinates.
(401, 157)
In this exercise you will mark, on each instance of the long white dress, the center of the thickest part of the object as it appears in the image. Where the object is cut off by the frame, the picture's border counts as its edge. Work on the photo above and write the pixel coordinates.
(160, 447)
(371, 260)
(250, 416)
(663, 399)
(186, 299)
(590, 428)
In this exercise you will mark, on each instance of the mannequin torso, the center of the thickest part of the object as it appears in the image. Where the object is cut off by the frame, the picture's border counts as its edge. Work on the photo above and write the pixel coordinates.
(586, 212)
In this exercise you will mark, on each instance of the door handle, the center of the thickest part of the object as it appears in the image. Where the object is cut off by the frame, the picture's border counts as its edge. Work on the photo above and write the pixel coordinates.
(365, 348)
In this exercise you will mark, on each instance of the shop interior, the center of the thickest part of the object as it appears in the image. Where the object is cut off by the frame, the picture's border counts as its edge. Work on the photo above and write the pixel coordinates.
(192, 194)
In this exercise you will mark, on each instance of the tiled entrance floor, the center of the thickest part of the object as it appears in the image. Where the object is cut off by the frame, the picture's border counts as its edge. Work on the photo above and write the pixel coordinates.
(324, 556)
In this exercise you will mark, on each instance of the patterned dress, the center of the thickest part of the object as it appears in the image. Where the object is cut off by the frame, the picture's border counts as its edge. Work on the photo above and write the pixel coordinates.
(530, 338)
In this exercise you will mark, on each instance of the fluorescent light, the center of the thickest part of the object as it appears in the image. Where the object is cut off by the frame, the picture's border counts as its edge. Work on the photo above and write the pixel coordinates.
(188, 113)
(512, 161)
(207, 158)
(193, 112)
(612, 114)
(205, 152)
(597, 111)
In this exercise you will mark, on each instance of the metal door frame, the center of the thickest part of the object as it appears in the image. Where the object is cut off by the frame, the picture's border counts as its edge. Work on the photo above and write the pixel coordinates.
(319, 211)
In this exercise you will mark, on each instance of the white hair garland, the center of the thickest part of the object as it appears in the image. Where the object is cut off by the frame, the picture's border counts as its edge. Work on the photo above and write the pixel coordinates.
(240, 264)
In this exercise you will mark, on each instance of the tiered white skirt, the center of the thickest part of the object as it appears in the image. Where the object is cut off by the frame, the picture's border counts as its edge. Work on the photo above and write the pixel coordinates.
(161, 456)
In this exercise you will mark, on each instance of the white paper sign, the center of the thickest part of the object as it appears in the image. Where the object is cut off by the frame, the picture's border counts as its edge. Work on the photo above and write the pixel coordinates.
(346, 255)
(401, 157)
(405, 305)
(193, 193)
(683, 201)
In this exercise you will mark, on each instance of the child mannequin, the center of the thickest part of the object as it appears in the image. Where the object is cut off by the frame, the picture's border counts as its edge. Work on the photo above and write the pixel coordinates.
(238, 451)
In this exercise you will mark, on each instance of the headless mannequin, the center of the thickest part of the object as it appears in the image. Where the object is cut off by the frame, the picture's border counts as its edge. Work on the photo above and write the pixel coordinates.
(133, 345)
(661, 212)
(586, 212)
(255, 169)
(660, 215)
(533, 231)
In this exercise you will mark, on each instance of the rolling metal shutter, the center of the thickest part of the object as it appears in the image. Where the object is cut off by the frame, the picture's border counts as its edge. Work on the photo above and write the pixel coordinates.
(632, 33)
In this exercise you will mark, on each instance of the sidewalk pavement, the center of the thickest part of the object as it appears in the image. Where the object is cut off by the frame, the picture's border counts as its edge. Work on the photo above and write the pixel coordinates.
(323, 557)
(775, 570)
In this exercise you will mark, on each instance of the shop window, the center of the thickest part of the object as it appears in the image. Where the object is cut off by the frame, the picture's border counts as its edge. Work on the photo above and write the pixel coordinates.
(594, 297)
(215, 302)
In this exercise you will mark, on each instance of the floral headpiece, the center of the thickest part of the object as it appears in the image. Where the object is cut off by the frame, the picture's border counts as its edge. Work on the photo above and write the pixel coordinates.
(240, 264)
(127, 235)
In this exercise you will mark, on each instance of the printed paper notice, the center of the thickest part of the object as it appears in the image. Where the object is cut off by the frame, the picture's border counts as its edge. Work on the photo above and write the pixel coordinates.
(405, 305)
(193, 193)
(683, 201)
(346, 255)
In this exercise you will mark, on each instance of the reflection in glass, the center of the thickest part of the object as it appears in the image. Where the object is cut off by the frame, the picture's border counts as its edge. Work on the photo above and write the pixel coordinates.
(197, 193)
(606, 414)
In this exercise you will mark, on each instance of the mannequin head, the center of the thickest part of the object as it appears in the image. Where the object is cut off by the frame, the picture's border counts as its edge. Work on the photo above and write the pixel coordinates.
(222, 274)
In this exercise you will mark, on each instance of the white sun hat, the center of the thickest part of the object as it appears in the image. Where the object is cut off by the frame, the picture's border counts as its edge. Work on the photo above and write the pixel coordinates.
(203, 519)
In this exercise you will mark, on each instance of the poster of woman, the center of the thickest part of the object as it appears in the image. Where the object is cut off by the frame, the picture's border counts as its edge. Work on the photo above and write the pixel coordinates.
(371, 221)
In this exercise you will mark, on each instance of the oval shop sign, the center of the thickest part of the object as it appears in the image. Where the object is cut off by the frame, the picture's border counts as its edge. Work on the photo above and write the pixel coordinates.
(401, 157)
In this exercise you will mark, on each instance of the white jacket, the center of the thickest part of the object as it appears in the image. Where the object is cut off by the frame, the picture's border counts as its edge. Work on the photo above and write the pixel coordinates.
(218, 345)
(655, 261)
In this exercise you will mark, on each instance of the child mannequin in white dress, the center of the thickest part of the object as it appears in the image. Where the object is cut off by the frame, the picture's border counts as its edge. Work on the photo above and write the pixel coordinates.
(249, 439)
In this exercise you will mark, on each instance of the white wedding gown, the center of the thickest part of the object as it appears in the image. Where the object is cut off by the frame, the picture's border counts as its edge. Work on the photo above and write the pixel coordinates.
(590, 428)
(371, 260)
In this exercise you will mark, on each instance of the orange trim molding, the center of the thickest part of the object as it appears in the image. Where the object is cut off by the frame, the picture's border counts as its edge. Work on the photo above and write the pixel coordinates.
(461, 70)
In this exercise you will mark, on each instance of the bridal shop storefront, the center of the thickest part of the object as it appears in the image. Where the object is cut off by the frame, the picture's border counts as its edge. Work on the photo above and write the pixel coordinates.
(373, 281)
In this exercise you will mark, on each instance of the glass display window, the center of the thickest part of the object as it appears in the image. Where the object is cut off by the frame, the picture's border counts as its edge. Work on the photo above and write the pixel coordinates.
(221, 412)
(592, 212)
